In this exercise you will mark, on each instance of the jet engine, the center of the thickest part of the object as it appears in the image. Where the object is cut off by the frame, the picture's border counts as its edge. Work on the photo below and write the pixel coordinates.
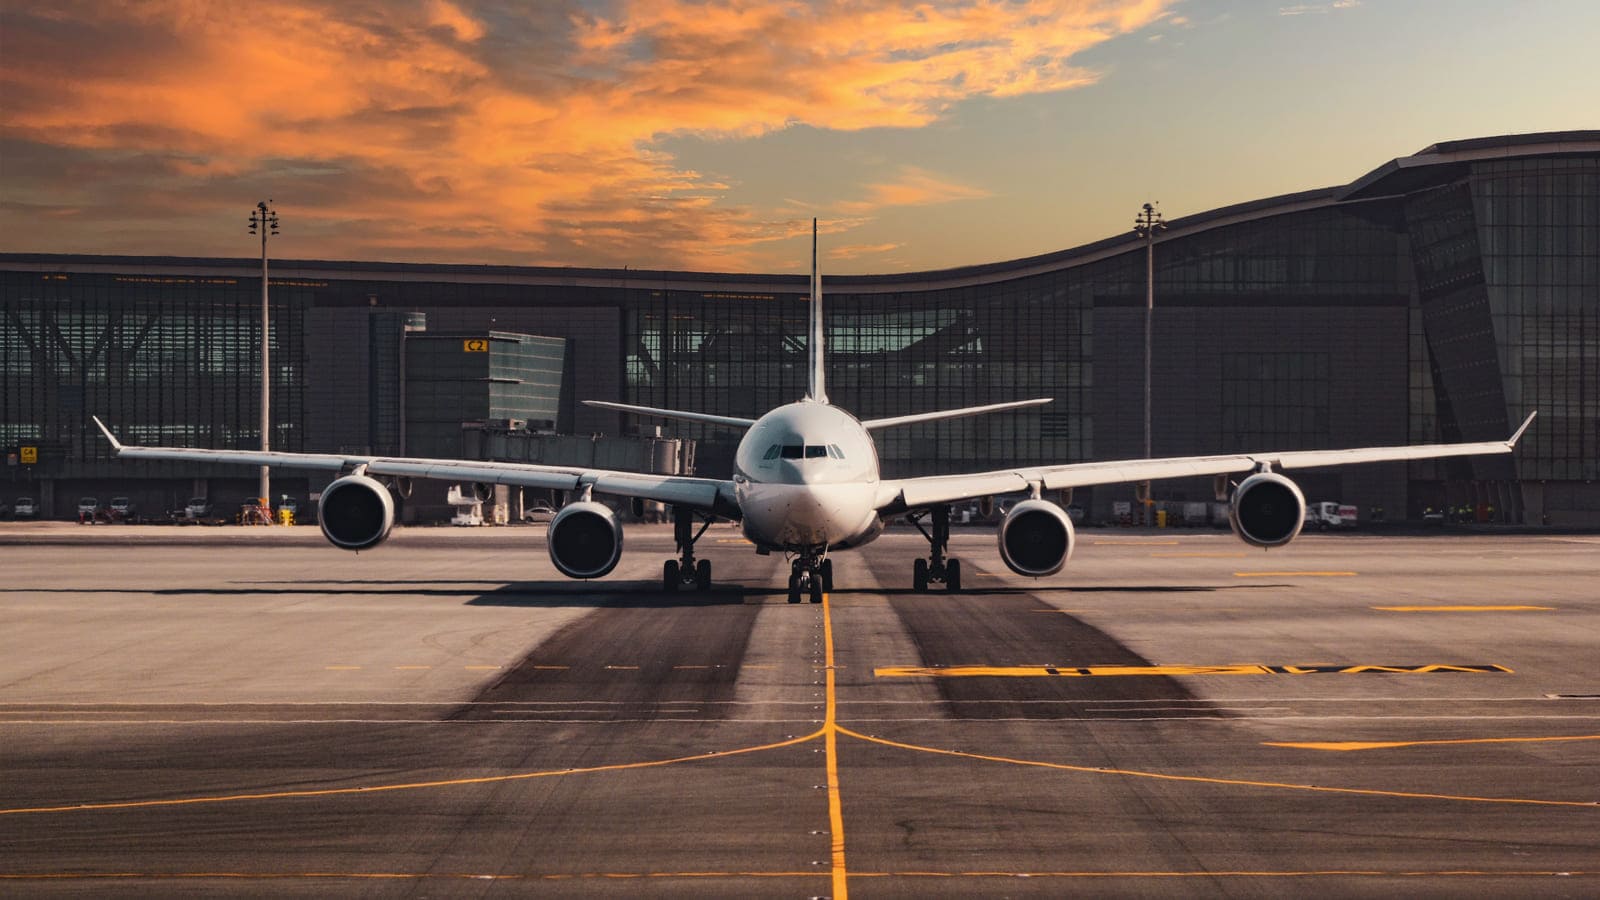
(1268, 510)
(585, 539)
(356, 512)
(1036, 538)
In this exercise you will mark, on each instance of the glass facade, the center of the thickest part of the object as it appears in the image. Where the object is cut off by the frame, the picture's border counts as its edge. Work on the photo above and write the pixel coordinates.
(1439, 298)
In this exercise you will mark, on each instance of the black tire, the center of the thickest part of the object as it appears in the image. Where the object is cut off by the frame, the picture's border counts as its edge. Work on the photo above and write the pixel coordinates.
(669, 575)
(952, 575)
(702, 575)
(827, 574)
(794, 588)
(816, 588)
(919, 576)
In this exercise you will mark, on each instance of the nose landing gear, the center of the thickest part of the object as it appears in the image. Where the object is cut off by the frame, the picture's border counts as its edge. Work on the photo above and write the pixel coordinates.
(810, 575)
(686, 570)
(936, 568)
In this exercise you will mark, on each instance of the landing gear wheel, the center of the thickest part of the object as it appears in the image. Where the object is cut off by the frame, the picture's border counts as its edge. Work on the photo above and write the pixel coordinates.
(919, 576)
(952, 575)
(827, 574)
(794, 587)
(816, 589)
(669, 575)
(702, 575)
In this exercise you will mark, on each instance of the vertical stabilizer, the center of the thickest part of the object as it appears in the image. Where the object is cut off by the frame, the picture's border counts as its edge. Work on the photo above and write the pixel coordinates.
(816, 389)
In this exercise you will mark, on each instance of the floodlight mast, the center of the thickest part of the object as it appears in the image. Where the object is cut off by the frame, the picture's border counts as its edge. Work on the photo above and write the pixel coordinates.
(264, 219)
(1147, 225)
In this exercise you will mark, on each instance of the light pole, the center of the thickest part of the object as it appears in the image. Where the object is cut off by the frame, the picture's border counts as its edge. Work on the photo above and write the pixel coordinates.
(1146, 225)
(264, 220)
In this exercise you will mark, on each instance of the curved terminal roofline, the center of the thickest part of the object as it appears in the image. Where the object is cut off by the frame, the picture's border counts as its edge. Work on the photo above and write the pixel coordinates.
(1434, 165)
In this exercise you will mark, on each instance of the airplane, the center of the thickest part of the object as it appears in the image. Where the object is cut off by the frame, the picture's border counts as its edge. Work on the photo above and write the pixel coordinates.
(806, 483)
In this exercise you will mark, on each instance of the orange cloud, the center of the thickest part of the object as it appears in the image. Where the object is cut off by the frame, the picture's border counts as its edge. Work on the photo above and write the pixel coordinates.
(483, 132)
(912, 187)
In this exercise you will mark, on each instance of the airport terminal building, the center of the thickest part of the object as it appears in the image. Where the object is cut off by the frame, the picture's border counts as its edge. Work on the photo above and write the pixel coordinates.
(1440, 297)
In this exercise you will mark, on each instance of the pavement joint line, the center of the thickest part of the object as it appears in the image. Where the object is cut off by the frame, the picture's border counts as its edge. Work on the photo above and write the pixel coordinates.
(913, 873)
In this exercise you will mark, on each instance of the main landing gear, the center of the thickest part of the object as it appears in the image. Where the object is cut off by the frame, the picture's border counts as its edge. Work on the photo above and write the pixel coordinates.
(935, 568)
(810, 574)
(686, 571)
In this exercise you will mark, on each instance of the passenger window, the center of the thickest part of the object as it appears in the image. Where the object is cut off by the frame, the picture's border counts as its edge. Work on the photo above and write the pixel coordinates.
(816, 451)
(793, 451)
(772, 452)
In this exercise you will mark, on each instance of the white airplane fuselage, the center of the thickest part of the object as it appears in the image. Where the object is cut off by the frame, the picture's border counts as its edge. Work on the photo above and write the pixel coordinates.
(806, 477)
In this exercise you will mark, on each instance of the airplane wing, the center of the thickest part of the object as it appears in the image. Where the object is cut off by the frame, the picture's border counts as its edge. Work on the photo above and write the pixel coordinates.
(709, 494)
(912, 493)
(874, 424)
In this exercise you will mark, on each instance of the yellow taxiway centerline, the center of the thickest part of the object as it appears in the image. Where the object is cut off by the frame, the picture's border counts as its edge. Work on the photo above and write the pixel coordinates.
(1462, 608)
(830, 731)
(1293, 574)
(1383, 745)
(1172, 671)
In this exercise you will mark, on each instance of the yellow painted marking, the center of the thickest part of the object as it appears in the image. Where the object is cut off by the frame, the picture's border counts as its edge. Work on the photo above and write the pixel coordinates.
(1199, 555)
(1136, 543)
(1293, 574)
(733, 541)
(1170, 671)
(1236, 782)
(341, 668)
(1383, 745)
(830, 731)
(1461, 608)
(410, 786)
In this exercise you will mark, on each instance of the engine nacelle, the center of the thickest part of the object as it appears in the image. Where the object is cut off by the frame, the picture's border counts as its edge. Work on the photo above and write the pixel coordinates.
(585, 539)
(356, 512)
(1268, 510)
(1036, 538)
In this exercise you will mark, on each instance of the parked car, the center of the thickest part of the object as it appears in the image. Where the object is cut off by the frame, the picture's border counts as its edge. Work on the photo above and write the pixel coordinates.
(538, 512)
(24, 508)
(88, 508)
(121, 508)
(198, 508)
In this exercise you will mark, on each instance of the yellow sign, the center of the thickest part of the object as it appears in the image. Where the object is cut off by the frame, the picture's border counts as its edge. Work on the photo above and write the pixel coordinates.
(475, 345)
(30, 456)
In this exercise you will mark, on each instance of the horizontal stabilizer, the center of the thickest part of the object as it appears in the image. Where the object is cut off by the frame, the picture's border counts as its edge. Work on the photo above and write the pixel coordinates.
(872, 424)
(727, 421)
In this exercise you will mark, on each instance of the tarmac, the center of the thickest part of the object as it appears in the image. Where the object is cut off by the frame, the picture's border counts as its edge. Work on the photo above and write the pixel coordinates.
(247, 711)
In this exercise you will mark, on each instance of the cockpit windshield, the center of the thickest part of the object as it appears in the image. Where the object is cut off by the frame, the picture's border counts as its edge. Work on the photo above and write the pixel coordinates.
(804, 451)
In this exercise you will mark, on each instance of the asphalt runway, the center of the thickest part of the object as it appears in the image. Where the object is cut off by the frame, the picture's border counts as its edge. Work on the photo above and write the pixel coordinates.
(222, 711)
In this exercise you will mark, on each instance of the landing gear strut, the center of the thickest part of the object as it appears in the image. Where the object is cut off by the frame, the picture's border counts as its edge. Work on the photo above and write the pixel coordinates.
(810, 574)
(936, 568)
(686, 570)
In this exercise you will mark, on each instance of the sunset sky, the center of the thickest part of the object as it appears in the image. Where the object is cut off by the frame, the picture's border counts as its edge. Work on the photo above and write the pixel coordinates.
(704, 136)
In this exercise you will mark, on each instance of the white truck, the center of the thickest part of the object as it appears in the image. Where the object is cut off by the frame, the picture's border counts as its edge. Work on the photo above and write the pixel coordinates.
(1329, 514)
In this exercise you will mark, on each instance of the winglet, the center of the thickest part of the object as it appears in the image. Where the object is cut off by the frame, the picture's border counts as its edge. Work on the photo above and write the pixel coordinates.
(1525, 423)
(115, 444)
